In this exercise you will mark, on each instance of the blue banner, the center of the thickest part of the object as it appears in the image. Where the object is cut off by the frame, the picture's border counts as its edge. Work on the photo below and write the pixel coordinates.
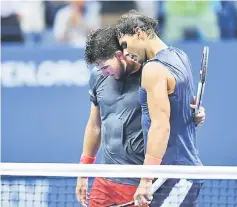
(45, 104)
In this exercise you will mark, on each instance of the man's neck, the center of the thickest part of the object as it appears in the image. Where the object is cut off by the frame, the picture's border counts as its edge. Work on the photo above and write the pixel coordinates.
(154, 46)
(135, 68)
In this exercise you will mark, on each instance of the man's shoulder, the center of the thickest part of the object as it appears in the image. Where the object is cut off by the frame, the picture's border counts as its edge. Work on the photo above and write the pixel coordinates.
(153, 67)
(170, 57)
(180, 51)
(95, 73)
(96, 77)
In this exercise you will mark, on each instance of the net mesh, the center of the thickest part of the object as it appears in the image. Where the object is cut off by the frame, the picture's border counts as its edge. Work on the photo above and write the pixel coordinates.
(52, 191)
(37, 191)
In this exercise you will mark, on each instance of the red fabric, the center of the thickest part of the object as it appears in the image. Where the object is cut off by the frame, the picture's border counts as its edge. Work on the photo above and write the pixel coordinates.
(106, 193)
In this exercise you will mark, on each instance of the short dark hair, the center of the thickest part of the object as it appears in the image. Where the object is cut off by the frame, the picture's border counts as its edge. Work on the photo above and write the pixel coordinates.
(101, 44)
(133, 19)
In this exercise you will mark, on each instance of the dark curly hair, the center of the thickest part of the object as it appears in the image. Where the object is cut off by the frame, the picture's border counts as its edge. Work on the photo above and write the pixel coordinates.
(101, 44)
(131, 20)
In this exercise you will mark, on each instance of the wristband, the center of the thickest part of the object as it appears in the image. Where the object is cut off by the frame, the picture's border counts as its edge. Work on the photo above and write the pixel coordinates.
(150, 160)
(87, 160)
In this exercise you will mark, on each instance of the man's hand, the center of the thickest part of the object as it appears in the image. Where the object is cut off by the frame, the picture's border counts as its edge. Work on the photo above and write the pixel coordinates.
(201, 116)
(81, 191)
(143, 197)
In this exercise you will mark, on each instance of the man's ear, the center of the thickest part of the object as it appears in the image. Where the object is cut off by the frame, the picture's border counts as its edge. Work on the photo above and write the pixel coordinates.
(119, 54)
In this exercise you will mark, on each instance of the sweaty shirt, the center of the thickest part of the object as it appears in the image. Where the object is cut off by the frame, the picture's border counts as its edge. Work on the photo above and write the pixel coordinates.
(121, 131)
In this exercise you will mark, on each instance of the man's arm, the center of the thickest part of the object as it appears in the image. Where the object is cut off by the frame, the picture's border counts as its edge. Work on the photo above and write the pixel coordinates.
(155, 81)
(90, 149)
(92, 136)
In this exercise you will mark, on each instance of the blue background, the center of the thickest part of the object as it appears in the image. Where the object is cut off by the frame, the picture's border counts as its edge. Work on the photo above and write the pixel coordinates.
(46, 124)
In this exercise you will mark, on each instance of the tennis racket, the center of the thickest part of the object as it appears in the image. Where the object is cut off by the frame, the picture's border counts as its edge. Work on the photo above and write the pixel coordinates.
(159, 182)
(202, 81)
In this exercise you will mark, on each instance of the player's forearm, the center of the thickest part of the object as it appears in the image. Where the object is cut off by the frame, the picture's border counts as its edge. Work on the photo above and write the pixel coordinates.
(158, 137)
(92, 140)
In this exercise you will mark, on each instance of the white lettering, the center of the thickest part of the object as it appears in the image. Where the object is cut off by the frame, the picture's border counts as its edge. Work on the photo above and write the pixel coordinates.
(46, 74)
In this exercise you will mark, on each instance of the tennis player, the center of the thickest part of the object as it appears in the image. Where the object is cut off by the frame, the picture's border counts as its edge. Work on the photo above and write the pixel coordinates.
(114, 124)
(165, 95)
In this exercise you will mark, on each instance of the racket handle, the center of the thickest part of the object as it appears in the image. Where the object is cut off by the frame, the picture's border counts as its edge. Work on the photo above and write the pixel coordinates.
(199, 96)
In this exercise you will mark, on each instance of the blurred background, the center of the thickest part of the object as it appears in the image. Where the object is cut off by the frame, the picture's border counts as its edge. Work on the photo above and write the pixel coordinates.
(44, 79)
(68, 22)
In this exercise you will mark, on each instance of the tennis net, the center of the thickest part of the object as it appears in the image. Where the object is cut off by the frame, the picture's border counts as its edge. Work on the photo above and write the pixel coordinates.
(51, 185)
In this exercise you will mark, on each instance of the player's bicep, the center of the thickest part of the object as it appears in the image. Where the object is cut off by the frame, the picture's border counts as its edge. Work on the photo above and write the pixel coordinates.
(94, 118)
(158, 102)
(155, 81)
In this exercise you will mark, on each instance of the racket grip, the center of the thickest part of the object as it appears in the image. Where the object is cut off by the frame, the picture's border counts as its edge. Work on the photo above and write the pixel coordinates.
(199, 97)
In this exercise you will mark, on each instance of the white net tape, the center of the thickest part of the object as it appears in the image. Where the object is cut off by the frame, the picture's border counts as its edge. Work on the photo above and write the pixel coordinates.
(53, 185)
(123, 171)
